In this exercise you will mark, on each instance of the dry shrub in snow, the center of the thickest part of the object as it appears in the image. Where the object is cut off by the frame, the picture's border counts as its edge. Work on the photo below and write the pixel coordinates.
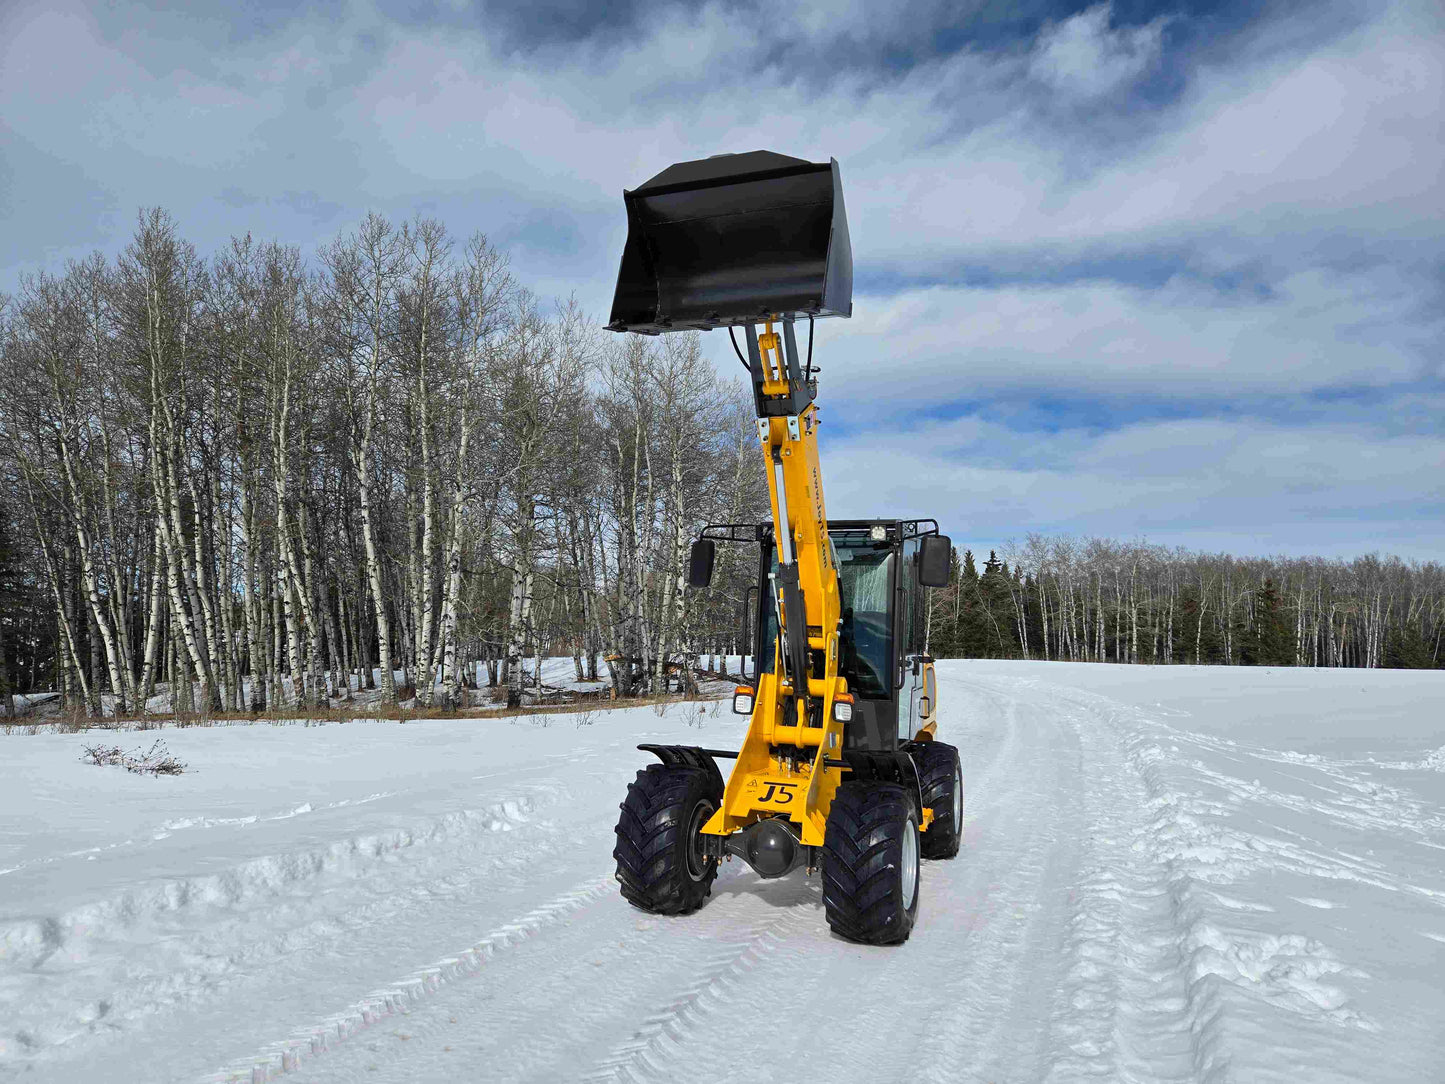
(156, 760)
(101, 754)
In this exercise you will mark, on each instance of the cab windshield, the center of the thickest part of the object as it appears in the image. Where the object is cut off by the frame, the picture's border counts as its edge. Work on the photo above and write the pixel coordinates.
(865, 571)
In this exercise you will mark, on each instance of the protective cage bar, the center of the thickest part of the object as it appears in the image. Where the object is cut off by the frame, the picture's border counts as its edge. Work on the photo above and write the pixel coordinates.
(757, 532)
(733, 532)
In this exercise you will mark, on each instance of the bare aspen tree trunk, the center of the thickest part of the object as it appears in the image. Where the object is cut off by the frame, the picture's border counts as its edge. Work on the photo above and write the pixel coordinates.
(62, 611)
(338, 683)
(670, 608)
(1134, 609)
(251, 604)
(7, 687)
(429, 247)
(451, 598)
(167, 499)
(288, 585)
(153, 623)
(229, 646)
(307, 592)
(519, 616)
(350, 629)
(593, 537)
(182, 692)
(100, 620)
(201, 590)
(373, 563)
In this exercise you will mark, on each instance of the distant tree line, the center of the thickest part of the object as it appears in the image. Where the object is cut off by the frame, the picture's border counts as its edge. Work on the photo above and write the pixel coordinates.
(250, 475)
(1099, 600)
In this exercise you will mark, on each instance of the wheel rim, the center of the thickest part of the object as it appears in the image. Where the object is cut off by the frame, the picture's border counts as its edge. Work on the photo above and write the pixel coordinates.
(910, 864)
(697, 862)
(957, 800)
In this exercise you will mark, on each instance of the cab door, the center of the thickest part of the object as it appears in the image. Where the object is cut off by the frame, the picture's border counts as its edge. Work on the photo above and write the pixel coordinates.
(910, 643)
(927, 719)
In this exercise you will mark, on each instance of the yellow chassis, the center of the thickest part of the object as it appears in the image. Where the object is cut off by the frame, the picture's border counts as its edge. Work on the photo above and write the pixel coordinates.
(764, 783)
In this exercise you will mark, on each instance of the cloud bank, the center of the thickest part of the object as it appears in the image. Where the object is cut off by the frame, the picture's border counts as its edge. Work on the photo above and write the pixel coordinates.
(1175, 272)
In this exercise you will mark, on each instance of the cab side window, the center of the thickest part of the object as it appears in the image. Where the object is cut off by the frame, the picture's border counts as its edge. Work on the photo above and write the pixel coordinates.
(909, 638)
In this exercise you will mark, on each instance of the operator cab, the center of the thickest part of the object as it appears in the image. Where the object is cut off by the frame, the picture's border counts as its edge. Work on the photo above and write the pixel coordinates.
(883, 568)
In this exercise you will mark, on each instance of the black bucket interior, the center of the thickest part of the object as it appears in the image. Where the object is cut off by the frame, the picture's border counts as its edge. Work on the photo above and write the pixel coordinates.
(731, 240)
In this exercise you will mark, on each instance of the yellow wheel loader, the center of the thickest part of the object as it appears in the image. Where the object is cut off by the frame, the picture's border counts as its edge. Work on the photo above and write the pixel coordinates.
(839, 771)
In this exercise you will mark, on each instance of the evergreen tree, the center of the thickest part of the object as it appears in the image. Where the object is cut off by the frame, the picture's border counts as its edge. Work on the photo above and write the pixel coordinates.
(1267, 640)
(1034, 616)
(1406, 649)
(996, 597)
(970, 571)
(1195, 638)
(975, 635)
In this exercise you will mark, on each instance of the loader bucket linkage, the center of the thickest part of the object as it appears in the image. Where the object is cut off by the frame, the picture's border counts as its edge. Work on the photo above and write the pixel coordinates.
(733, 240)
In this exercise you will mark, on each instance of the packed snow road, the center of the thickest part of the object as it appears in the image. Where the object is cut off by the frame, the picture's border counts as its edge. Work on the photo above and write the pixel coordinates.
(1176, 874)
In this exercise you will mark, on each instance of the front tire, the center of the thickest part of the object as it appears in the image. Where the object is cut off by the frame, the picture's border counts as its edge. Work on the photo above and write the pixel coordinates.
(870, 863)
(660, 861)
(940, 778)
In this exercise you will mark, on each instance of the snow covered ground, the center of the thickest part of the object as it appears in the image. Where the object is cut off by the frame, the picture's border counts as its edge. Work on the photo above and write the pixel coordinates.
(1168, 874)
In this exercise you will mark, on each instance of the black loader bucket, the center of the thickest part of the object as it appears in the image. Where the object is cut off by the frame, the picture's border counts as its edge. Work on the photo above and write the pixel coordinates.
(733, 240)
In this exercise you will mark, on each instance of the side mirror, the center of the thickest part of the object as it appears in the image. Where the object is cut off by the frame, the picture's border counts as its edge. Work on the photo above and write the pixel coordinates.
(699, 565)
(935, 552)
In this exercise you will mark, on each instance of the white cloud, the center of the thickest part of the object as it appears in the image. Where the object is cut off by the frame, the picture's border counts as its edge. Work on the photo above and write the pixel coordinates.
(1312, 163)
(954, 156)
(83, 98)
(1316, 330)
(1084, 58)
(1297, 489)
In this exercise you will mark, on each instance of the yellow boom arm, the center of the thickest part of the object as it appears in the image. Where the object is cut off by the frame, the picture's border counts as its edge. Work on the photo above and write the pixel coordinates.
(783, 764)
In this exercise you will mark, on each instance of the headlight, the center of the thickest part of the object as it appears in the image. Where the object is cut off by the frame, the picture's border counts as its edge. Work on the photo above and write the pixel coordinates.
(743, 700)
(843, 708)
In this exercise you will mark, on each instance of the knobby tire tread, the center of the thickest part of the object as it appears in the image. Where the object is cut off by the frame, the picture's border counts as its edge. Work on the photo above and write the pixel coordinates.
(650, 852)
(937, 781)
(862, 856)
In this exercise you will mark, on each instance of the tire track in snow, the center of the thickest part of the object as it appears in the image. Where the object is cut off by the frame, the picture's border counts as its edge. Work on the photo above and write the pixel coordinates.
(303, 1046)
(1154, 964)
(276, 918)
(985, 1016)
(637, 1059)
(612, 971)
(1123, 1009)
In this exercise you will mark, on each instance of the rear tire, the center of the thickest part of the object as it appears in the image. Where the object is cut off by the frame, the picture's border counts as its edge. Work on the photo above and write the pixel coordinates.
(870, 863)
(940, 778)
(660, 863)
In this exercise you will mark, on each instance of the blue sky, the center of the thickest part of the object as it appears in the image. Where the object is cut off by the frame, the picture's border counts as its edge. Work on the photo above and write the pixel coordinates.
(1142, 269)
